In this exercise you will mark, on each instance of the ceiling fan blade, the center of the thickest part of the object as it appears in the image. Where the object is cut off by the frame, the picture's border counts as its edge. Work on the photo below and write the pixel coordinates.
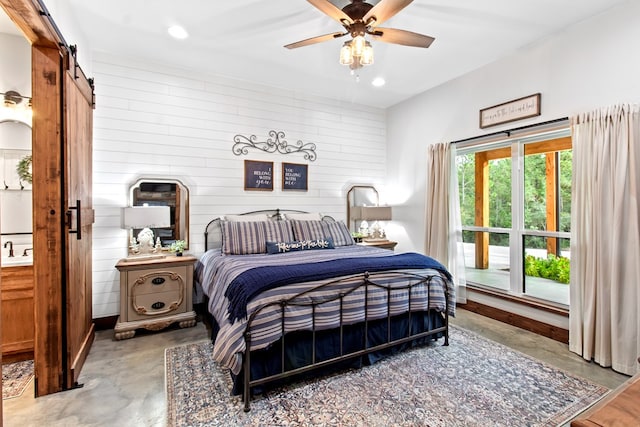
(384, 10)
(314, 40)
(332, 11)
(403, 37)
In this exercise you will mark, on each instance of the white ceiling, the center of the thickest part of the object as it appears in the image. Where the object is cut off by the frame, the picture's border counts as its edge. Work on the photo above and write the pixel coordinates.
(245, 39)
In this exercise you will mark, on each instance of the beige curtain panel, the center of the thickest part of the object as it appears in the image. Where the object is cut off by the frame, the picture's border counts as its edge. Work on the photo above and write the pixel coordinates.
(605, 238)
(443, 213)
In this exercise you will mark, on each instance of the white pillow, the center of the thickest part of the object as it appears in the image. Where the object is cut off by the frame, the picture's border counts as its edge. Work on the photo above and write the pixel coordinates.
(304, 216)
(247, 218)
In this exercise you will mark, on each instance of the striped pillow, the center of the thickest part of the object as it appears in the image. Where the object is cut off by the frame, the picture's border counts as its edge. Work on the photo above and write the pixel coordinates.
(243, 238)
(308, 230)
(339, 232)
(278, 231)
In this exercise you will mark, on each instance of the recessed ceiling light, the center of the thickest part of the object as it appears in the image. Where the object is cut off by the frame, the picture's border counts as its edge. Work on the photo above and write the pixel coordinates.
(177, 32)
(378, 82)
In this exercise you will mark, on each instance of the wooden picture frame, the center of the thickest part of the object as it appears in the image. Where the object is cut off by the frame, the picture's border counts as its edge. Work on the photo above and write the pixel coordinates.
(294, 177)
(258, 175)
(518, 109)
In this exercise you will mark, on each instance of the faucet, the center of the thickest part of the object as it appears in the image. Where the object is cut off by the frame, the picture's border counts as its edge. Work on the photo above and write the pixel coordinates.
(10, 244)
(25, 251)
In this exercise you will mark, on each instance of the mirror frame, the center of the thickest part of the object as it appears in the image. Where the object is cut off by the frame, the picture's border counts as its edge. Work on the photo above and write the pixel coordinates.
(183, 202)
(357, 196)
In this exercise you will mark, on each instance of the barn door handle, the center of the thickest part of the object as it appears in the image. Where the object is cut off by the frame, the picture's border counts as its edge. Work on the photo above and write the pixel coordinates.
(78, 230)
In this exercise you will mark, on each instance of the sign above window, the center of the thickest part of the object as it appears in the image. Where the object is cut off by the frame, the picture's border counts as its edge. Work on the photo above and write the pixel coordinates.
(518, 109)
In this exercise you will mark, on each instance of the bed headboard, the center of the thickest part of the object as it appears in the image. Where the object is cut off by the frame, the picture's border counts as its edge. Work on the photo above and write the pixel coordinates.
(213, 230)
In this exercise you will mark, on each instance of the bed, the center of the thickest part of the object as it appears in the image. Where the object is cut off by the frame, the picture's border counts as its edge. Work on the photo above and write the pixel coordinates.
(290, 295)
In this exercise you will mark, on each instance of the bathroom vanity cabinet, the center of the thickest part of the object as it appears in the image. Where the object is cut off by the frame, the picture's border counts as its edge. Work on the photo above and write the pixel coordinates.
(18, 326)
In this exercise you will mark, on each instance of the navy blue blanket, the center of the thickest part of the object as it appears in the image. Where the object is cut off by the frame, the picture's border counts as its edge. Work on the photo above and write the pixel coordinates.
(246, 285)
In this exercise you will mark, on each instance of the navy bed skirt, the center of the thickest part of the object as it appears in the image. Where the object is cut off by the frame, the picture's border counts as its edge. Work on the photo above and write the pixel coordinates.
(298, 352)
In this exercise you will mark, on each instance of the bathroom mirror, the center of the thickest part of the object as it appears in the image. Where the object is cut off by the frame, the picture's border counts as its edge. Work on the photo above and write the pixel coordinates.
(15, 170)
(358, 196)
(164, 192)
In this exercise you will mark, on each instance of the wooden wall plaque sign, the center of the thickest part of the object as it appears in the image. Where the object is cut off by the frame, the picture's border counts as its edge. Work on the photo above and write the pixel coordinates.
(258, 176)
(294, 177)
(518, 109)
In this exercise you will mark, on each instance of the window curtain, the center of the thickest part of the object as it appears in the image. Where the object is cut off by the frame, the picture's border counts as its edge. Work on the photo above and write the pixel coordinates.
(604, 324)
(443, 223)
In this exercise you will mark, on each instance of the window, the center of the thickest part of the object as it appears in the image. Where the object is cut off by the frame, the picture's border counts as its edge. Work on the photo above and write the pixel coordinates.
(515, 203)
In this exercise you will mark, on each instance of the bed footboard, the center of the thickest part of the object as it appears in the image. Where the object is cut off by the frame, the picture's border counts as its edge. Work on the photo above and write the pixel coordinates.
(376, 290)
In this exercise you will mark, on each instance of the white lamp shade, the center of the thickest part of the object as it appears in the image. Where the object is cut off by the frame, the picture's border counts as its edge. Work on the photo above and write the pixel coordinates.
(146, 216)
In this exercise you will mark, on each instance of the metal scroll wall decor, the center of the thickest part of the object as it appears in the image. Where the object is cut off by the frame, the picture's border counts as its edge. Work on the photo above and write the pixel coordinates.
(275, 143)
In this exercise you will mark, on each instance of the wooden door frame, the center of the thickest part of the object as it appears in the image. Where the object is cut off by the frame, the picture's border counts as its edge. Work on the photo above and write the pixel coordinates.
(51, 59)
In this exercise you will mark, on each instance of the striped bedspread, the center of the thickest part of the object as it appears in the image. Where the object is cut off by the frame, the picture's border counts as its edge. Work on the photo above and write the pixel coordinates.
(214, 272)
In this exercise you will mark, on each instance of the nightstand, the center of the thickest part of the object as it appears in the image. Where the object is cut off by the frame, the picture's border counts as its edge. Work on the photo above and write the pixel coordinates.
(154, 293)
(384, 244)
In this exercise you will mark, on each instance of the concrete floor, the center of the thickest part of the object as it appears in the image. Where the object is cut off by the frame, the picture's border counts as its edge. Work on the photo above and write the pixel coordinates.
(123, 381)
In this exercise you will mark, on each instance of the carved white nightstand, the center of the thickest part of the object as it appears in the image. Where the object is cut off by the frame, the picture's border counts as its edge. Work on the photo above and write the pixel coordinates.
(154, 293)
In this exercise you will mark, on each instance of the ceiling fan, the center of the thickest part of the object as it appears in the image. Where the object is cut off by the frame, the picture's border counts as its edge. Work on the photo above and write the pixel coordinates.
(360, 19)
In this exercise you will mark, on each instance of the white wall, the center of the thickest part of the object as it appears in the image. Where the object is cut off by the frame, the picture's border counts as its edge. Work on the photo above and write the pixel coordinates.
(590, 65)
(155, 121)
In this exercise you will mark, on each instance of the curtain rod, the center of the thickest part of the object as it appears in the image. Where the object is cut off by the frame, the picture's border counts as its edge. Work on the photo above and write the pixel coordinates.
(509, 131)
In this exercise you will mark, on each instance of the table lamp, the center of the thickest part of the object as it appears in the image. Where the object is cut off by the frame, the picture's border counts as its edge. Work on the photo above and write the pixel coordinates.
(375, 214)
(145, 218)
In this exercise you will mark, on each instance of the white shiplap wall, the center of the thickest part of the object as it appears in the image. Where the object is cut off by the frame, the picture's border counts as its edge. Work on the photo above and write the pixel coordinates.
(155, 121)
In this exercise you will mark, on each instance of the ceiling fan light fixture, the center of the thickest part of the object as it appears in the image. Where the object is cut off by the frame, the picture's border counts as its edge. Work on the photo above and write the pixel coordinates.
(358, 44)
(356, 64)
(360, 18)
(346, 57)
(367, 54)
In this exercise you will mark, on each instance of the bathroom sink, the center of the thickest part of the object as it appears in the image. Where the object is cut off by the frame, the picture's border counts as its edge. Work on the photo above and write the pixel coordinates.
(17, 261)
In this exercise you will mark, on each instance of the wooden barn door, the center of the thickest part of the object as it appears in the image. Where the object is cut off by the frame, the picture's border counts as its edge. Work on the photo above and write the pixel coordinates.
(63, 218)
(77, 181)
(62, 100)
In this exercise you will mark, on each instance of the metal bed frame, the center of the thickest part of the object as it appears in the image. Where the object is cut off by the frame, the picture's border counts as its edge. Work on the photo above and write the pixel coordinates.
(365, 281)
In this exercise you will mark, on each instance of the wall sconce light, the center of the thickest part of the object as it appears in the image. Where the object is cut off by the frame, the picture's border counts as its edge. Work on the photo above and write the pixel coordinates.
(145, 218)
(16, 107)
(13, 98)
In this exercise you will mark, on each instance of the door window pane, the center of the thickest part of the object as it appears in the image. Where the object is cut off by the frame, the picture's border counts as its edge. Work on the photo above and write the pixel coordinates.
(490, 268)
(546, 273)
(500, 194)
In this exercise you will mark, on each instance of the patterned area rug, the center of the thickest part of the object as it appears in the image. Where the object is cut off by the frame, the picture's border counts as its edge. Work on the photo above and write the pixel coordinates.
(15, 378)
(472, 382)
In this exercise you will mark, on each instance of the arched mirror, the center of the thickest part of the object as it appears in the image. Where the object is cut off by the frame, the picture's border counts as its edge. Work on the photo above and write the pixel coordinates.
(15, 169)
(165, 192)
(366, 216)
(358, 196)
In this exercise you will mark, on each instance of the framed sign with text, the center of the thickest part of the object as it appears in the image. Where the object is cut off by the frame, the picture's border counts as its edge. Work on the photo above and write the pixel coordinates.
(518, 109)
(294, 176)
(258, 175)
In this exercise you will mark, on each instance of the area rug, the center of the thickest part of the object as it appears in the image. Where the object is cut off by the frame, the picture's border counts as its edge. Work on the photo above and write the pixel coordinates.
(472, 382)
(15, 378)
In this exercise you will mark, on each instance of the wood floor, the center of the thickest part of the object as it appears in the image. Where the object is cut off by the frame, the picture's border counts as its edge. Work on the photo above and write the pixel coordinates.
(123, 381)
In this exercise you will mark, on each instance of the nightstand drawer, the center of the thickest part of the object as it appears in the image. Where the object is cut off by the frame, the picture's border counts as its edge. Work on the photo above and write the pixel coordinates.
(145, 306)
(156, 292)
(158, 280)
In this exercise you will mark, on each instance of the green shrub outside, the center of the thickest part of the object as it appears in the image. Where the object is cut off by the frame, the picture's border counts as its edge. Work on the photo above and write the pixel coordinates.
(553, 267)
